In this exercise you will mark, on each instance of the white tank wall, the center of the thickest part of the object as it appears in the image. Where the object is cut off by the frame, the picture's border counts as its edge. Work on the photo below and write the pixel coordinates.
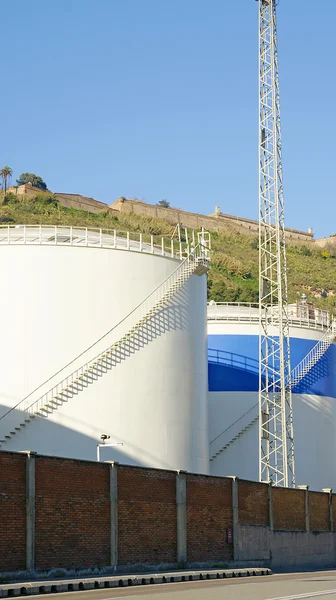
(58, 300)
(314, 425)
(314, 430)
(241, 458)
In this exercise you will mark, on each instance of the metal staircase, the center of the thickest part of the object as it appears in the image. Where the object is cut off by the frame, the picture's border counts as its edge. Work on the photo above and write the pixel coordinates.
(236, 437)
(297, 374)
(310, 360)
(138, 323)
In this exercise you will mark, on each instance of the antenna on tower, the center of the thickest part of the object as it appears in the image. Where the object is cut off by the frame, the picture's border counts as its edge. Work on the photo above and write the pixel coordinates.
(276, 441)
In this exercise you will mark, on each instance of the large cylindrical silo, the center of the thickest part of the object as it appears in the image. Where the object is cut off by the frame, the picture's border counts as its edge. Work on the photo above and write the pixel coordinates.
(60, 294)
(233, 340)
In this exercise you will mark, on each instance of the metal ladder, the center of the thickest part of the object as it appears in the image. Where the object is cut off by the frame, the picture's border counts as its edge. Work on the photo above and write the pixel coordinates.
(197, 262)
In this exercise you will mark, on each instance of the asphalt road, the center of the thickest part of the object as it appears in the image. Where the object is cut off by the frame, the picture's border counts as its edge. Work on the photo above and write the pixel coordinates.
(321, 584)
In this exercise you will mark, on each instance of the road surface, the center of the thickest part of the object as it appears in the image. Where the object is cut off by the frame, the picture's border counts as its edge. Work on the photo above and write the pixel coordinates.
(321, 584)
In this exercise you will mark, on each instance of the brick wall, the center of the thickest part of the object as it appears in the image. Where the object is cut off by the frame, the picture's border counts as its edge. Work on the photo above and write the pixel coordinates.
(12, 511)
(146, 516)
(87, 514)
(319, 517)
(209, 514)
(72, 513)
(289, 509)
(253, 503)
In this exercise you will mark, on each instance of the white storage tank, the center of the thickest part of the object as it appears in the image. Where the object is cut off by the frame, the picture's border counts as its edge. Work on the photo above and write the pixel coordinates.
(233, 340)
(62, 289)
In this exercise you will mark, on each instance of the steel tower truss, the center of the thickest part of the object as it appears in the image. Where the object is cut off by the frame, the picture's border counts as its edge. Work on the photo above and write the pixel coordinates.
(276, 443)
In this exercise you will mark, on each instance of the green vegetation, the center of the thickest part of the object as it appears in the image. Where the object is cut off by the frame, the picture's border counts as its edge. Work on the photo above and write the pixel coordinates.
(234, 273)
(163, 204)
(5, 174)
(35, 180)
(45, 209)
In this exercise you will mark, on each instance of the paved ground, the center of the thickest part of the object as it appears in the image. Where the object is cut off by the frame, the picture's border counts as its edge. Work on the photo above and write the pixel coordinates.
(321, 584)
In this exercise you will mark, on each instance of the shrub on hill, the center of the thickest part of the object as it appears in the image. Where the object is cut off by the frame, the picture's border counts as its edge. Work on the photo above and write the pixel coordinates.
(35, 180)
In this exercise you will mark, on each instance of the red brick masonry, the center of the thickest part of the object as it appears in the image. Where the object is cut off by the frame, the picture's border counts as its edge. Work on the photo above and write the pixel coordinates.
(73, 519)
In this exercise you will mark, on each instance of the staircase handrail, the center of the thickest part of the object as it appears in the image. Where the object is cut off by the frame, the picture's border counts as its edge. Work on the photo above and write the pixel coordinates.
(234, 423)
(199, 251)
(233, 438)
(328, 336)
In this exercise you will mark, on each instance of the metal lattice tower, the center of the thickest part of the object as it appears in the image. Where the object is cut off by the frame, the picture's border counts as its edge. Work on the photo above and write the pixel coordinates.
(275, 399)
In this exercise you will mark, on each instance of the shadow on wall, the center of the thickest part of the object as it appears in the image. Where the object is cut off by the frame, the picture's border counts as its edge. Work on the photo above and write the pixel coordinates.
(232, 372)
(67, 441)
(232, 359)
(172, 317)
(321, 378)
(49, 438)
(60, 440)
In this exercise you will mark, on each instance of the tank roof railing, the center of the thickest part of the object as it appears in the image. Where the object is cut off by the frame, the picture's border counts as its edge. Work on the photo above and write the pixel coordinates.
(60, 235)
(248, 312)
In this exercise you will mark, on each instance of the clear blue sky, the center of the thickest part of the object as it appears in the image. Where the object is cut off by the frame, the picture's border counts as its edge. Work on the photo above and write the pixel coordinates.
(159, 99)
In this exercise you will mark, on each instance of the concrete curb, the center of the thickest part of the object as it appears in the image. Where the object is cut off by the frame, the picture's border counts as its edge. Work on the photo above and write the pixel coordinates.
(73, 585)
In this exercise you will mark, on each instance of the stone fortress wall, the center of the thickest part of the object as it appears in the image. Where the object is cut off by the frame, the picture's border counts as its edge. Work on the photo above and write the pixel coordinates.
(81, 202)
(217, 222)
(77, 201)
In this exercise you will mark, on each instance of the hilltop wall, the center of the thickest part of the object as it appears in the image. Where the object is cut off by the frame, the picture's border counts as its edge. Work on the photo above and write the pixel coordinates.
(77, 201)
(329, 242)
(81, 203)
(218, 222)
(26, 191)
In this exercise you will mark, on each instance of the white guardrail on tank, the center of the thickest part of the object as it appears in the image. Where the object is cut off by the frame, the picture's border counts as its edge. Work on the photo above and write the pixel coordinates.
(244, 312)
(50, 235)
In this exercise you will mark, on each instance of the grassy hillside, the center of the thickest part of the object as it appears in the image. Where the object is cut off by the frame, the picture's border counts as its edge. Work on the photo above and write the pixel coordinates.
(234, 273)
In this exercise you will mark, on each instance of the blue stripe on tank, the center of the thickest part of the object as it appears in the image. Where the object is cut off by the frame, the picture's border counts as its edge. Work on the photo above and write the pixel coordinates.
(233, 365)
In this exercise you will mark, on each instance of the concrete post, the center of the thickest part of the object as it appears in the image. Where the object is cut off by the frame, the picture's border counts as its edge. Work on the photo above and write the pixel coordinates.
(113, 513)
(306, 488)
(331, 519)
(235, 517)
(270, 508)
(30, 511)
(181, 517)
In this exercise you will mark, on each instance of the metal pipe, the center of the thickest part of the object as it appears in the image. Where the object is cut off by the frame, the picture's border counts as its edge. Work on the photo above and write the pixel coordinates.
(106, 446)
